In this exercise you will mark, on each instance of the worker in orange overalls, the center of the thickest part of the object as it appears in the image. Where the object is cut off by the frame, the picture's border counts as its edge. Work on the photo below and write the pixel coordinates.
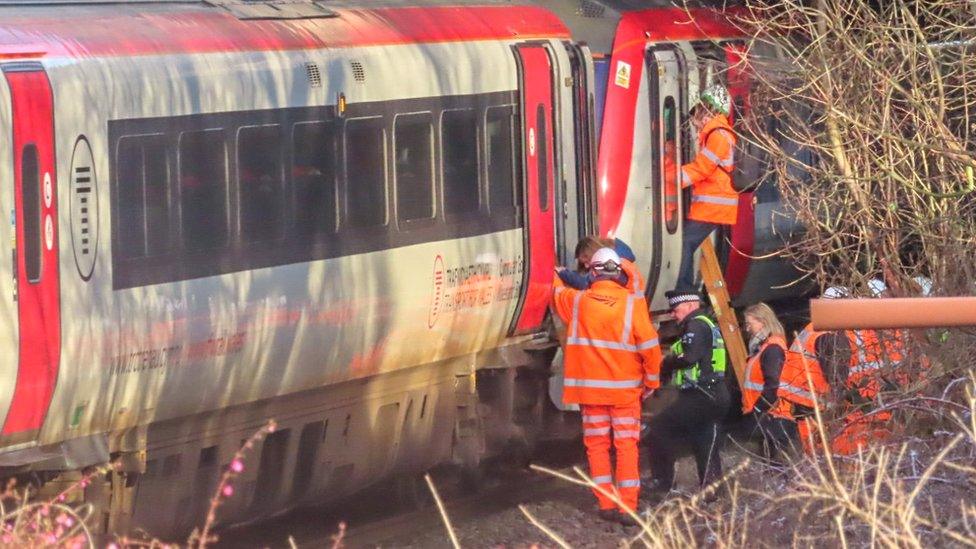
(612, 361)
(814, 362)
(714, 202)
(876, 365)
(766, 417)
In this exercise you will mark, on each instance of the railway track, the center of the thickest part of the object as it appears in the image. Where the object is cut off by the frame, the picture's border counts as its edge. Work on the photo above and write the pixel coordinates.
(388, 517)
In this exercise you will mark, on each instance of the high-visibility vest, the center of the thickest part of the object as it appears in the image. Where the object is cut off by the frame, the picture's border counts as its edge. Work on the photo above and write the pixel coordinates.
(754, 383)
(871, 357)
(713, 199)
(635, 282)
(611, 352)
(719, 356)
(801, 360)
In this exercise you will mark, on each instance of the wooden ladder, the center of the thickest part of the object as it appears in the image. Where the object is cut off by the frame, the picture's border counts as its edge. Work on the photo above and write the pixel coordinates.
(718, 294)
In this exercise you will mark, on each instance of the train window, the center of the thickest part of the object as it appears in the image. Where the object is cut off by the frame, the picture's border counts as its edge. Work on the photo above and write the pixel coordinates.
(31, 201)
(259, 182)
(412, 140)
(502, 194)
(203, 194)
(459, 139)
(669, 165)
(542, 148)
(365, 169)
(144, 198)
(313, 177)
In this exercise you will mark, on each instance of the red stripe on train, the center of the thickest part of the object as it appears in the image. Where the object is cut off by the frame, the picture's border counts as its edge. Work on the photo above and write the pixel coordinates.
(635, 31)
(38, 302)
(103, 33)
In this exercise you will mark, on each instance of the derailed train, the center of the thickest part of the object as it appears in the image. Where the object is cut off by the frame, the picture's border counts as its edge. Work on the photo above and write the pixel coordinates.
(341, 215)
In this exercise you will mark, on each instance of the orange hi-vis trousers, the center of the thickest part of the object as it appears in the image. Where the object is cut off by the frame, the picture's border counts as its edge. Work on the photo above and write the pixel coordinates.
(623, 421)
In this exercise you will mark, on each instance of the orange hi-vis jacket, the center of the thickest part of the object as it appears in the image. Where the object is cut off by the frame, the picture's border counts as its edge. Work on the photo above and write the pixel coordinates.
(612, 352)
(713, 200)
(755, 382)
(801, 360)
(635, 282)
(874, 354)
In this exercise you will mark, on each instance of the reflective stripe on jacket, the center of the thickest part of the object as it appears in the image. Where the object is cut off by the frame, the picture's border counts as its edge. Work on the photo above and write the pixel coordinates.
(873, 354)
(801, 359)
(755, 381)
(611, 352)
(713, 199)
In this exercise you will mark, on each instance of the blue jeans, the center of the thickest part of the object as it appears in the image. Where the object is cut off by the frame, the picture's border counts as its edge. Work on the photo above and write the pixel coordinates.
(695, 232)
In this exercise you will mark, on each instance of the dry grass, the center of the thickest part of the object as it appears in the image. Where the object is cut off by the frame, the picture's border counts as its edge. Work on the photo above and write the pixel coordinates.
(910, 492)
(56, 523)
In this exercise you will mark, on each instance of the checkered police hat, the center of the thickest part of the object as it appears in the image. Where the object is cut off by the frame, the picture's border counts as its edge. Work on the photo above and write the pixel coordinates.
(676, 297)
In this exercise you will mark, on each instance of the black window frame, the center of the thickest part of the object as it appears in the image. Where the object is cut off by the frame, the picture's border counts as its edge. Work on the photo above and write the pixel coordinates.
(228, 232)
(517, 192)
(434, 156)
(32, 212)
(237, 255)
(282, 186)
(671, 225)
(333, 130)
(349, 221)
(481, 204)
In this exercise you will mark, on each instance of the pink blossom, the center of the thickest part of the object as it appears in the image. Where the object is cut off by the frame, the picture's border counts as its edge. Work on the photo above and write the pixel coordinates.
(113, 545)
(7, 539)
(69, 522)
(237, 466)
(62, 497)
(228, 491)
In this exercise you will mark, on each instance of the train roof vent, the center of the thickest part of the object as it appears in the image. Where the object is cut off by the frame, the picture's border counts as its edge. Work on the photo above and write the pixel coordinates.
(314, 77)
(587, 8)
(358, 72)
(274, 9)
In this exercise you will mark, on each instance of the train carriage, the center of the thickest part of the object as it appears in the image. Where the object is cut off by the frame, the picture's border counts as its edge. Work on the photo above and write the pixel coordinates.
(344, 216)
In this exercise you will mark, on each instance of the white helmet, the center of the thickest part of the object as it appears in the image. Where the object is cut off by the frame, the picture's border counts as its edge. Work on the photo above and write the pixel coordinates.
(836, 292)
(605, 262)
(877, 287)
(716, 97)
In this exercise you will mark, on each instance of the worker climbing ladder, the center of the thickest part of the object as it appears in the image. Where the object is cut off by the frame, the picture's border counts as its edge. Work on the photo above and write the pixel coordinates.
(718, 295)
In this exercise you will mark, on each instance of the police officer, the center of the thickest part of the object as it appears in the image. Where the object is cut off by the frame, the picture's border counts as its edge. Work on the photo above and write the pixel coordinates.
(692, 419)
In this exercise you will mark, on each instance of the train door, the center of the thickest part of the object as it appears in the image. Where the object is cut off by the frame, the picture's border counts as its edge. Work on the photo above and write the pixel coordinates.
(582, 68)
(667, 96)
(535, 73)
(36, 252)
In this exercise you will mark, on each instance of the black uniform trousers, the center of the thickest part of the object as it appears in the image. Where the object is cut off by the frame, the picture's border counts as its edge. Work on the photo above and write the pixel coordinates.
(778, 437)
(693, 421)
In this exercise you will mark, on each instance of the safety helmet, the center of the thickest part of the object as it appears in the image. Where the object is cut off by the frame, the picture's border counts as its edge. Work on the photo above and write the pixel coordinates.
(605, 262)
(877, 287)
(836, 292)
(716, 97)
(925, 283)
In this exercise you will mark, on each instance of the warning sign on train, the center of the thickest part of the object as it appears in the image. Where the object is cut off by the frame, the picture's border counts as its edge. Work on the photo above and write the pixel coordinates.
(622, 75)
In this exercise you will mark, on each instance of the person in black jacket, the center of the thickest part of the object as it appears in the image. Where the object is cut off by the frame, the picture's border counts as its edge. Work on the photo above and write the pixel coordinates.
(767, 418)
(692, 418)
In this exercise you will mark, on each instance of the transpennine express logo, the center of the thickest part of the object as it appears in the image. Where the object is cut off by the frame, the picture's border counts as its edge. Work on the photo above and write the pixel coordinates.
(437, 295)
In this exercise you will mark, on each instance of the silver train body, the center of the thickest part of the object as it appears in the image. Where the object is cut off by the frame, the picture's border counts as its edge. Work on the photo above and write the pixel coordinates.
(341, 218)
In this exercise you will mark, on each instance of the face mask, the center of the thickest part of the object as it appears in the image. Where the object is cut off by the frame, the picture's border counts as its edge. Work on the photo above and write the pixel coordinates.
(756, 341)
